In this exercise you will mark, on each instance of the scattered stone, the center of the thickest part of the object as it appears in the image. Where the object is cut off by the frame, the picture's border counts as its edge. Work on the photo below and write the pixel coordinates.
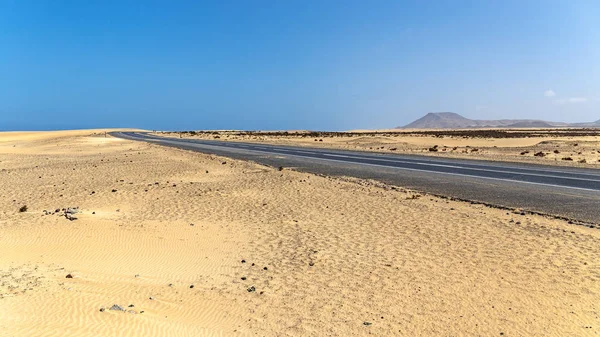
(23, 209)
(151, 298)
(192, 286)
(243, 278)
(367, 323)
(70, 216)
(69, 276)
(243, 261)
(117, 307)
(251, 289)
(131, 305)
(113, 190)
(72, 210)
(102, 309)
(539, 154)
(265, 268)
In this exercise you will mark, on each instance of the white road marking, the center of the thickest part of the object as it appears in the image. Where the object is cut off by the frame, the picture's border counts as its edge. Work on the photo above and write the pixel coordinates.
(404, 168)
(464, 167)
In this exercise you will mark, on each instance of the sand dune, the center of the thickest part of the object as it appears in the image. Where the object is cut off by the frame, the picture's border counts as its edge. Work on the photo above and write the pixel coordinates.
(322, 256)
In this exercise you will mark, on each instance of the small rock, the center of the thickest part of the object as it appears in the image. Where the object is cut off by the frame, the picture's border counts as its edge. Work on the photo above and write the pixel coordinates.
(69, 276)
(251, 289)
(367, 323)
(102, 309)
(192, 286)
(113, 190)
(116, 307)
(151, 298)
(243, 278)
(243, 261)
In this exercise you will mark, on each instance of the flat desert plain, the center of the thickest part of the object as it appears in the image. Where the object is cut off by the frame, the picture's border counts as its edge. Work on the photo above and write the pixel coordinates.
(175, 243)
(563, 147)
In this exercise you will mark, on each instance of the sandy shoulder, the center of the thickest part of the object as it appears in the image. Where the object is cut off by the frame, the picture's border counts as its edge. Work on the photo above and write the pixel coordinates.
(202, 245)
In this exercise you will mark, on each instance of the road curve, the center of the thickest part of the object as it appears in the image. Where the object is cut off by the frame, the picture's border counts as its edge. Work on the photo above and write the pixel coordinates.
(572, 193)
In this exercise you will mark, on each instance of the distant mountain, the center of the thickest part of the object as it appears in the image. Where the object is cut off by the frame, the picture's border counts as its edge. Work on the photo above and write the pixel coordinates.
(441, 120)
(451, 120)
(595, 124)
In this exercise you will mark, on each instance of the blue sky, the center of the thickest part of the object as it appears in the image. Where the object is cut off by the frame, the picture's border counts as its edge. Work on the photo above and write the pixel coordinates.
(321, 65)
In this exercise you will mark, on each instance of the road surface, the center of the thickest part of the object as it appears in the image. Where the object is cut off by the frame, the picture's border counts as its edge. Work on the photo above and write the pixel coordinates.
(571, 193)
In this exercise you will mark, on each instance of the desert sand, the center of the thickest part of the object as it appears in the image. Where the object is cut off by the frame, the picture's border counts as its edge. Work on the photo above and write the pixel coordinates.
(549, 147)
(196, 245)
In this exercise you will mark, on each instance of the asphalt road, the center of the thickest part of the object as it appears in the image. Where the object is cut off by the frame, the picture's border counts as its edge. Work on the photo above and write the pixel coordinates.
(571, 193)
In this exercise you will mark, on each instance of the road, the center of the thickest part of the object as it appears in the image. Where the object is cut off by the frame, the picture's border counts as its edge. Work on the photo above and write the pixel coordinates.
(571, 193)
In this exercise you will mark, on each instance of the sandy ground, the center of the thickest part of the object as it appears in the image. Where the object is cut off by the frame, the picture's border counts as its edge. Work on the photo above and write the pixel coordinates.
(268, 252)
(583, 151)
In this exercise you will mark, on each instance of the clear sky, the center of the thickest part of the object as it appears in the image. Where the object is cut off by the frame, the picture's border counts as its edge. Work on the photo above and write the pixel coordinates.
(321, 65)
